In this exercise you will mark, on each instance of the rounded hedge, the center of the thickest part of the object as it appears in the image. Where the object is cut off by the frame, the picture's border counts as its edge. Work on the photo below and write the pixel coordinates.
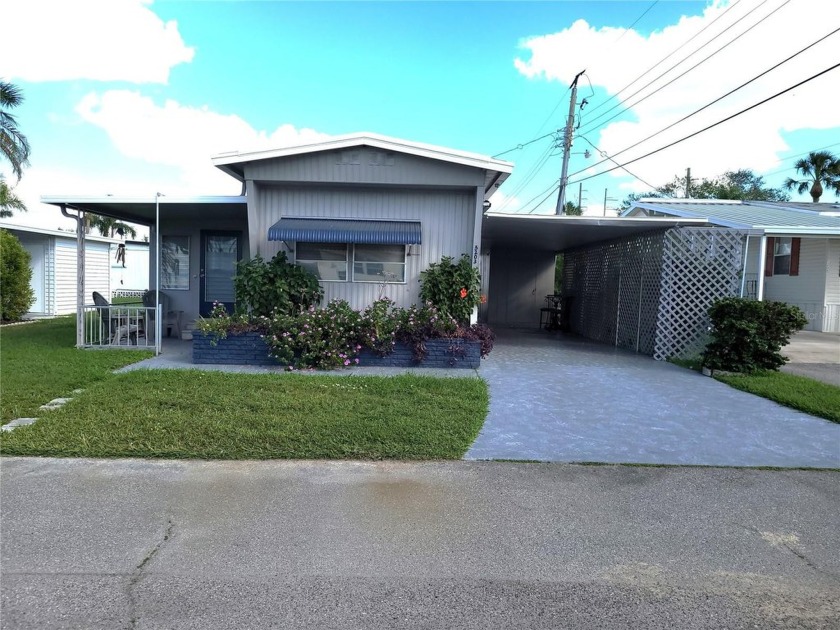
(16, 296)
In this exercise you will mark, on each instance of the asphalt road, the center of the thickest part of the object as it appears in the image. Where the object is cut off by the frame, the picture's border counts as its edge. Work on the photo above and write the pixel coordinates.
(145, 544)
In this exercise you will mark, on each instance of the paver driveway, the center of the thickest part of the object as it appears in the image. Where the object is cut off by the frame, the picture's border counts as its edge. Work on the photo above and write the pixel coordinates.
(565, 399)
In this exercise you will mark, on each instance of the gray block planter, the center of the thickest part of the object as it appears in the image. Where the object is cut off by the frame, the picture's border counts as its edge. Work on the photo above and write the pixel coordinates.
(244, 349)
(441, 353)
(250, 349)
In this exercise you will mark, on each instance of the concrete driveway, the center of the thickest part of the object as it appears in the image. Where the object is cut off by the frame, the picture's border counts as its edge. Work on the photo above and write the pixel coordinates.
(564, 399)
(815, 355)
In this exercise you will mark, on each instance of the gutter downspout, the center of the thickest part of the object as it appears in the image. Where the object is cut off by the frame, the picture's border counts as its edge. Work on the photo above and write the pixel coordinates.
(80, 273)
(762, 260)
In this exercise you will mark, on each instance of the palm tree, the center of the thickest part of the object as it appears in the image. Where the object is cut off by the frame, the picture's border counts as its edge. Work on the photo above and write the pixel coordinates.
(13, 144)
(9, 202)
(820, 167)
(108, 226)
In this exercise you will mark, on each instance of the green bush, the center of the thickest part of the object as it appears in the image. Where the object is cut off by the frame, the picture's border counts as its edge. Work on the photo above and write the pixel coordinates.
(748, 335)
(453, 288)
(265, 287)
(15, 274)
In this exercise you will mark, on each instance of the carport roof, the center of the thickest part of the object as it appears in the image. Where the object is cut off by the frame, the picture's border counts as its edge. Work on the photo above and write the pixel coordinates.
(142, 209)
(559, 232)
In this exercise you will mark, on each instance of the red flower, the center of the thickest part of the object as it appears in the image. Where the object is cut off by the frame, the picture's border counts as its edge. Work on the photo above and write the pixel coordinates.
(463, 293)
(483, 299)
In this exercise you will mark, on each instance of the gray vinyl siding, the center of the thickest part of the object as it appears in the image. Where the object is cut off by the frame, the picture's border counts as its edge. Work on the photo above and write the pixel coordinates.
(97, 273)
(364, 165)
(807, 290)
(446, 217)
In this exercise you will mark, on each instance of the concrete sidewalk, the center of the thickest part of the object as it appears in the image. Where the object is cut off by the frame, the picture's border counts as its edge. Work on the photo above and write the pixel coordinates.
(206, 545)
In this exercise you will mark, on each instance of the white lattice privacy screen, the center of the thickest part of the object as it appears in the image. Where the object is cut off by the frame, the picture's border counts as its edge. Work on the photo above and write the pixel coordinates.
(651, 293)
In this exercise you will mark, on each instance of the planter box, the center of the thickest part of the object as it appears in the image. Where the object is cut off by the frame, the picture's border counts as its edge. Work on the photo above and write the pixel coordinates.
(245, 349)
(250, 349)
(441, 353)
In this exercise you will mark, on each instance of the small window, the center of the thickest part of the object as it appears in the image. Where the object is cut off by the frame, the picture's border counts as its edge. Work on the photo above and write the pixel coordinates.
(379, 263)
(175, 263)
(328, 261)
(781, 256)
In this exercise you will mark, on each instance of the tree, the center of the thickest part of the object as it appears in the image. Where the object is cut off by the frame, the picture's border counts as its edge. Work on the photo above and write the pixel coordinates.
(13, 144)
(742, 184)
(9, 202)
(820, 167)
(108, 226)
(16, 294)
(572, 210)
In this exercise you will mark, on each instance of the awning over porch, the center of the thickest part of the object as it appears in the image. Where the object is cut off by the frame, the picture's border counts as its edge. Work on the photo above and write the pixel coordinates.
(323, 230)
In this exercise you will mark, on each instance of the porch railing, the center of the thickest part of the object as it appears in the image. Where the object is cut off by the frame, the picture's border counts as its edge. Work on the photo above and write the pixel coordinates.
(119, 326)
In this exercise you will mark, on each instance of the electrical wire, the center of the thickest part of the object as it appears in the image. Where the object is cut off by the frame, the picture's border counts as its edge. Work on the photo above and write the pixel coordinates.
(528, 177)
(674, 52)
(524, 144)
(720, 98)
(696, 133)
(604, 154)
(630, 28)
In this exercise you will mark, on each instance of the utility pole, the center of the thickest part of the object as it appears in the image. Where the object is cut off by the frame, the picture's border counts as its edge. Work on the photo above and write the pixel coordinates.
(580, 197)
(605, 201)
(567, 147)
(688, 183)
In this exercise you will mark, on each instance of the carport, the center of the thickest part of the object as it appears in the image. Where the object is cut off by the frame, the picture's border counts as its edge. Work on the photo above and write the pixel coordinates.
(641, 283)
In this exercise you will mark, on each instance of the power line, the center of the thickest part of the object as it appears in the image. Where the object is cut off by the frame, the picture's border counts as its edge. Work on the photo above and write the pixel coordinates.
(720, 98)
(720, 122)
(529, 176)
(590, 124)
(524, 144)
(604, 154)
(630, 28)
(788, 157)
(675, 51)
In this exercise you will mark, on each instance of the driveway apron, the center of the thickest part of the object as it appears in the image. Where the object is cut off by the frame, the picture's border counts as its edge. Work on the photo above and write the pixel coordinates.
(565, 399)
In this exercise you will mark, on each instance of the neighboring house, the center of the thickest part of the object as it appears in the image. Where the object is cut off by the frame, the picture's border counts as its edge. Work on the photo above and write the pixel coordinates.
(54, 262)
(792, 249)
(130, 266)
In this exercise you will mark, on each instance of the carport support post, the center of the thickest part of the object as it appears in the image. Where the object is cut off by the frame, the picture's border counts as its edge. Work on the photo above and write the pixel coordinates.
(79, 218)
(475, 255)
(762, 257)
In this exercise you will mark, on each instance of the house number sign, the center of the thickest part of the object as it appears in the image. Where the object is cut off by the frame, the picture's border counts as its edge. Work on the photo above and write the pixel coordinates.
(475, 255)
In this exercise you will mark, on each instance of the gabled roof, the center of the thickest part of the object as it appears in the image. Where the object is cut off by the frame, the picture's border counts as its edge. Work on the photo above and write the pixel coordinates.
(497, 170)
(771, 217)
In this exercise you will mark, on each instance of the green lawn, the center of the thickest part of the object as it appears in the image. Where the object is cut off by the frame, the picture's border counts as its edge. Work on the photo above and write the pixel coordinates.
(39, 362)
(213, 415)
(805, 394)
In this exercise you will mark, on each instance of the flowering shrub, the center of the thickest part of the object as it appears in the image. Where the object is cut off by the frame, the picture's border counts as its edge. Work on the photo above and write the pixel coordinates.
(453, 288)
(265, 287)
(220, 323)
(332, 337)
(324, 339)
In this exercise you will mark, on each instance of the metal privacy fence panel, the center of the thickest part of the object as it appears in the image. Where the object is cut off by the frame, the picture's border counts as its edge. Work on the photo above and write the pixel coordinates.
(651, 292)
(699, 265)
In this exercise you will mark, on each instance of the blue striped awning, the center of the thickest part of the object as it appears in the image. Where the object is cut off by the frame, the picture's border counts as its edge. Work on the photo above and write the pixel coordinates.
(345, 231)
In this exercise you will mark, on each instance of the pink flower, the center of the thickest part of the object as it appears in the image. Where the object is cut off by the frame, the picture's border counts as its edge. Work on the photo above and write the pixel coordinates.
(347, 361)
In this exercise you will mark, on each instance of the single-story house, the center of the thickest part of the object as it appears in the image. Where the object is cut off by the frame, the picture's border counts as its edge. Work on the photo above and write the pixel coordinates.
(367, 214)
(791, 251)
(54, 259)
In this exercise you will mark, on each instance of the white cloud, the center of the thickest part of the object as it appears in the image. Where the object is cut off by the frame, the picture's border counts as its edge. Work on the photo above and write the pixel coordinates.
(502, 202)
(182, 137)
(100, 40)
(753, 140)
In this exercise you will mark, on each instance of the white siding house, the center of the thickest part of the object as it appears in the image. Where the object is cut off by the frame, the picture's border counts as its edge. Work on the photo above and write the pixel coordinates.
(54, 262)
(801, 244)
(130, 271)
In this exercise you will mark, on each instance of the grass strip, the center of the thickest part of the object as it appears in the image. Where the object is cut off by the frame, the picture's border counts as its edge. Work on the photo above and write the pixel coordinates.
(798, 392)
(213, 415)
(39, 362)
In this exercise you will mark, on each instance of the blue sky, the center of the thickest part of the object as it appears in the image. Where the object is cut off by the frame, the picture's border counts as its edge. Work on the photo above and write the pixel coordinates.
(130, 97)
